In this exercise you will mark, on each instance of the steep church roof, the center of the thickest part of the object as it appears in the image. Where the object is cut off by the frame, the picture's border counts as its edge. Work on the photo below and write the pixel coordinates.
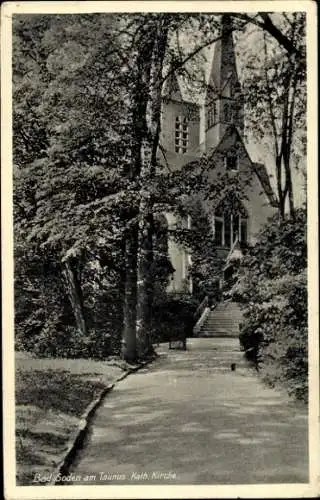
(176, 89)
(263, 177)
(171, 88)
(224, 59)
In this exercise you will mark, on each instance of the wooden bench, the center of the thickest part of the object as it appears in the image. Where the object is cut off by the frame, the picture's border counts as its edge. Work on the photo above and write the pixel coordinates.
(178, 342)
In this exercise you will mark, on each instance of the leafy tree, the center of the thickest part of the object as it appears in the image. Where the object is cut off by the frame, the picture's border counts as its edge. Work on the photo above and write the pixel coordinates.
(87, 109)
(275, 93)
(152, 49)
(273, 25)
(66, 186)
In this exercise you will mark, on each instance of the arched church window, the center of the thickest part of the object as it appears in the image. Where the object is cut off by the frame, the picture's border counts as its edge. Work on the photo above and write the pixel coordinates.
(211, 114)
(209, 117)
(181, 134)
(243, 228)
(227, 111)
(218, 228)
(237, 90)
(228, 236)
(230, 223)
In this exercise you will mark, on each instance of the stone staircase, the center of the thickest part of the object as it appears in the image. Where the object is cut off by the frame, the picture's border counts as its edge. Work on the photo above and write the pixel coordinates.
(222, 321)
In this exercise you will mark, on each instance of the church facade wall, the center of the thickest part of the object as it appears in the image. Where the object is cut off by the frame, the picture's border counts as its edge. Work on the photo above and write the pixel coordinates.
(254, 200)
(223, 112)
(172, 110)
(180, 260)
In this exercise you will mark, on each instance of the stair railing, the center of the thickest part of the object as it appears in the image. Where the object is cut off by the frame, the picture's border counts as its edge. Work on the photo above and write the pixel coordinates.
(201, 308)
(201, 315)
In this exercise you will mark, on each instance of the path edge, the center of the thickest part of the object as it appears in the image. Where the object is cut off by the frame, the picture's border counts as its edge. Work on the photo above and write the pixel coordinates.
(78, 437)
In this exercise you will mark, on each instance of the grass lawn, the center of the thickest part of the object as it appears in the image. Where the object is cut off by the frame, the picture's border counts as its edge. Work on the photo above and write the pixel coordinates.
(51, 396)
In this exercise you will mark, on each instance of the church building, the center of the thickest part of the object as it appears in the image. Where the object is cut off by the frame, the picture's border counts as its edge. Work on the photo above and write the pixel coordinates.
(221, 116)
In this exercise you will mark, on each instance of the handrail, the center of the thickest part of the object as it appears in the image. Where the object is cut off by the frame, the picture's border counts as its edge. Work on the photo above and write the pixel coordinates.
(197, 327)
(201, 308)
(232, 249)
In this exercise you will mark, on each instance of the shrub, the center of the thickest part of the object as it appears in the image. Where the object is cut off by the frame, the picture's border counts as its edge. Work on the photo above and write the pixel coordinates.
(40, 302)
(67, 342)
(173, 315)
(272, 286)
(44, 321)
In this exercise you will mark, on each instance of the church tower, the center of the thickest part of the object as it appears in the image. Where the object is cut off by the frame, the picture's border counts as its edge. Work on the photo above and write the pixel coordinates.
(180, 125)
(237, 217)
(224, 99)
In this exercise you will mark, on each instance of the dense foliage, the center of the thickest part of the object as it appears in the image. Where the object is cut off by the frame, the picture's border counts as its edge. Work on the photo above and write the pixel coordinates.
(68, 104)
(87, 112)
(274, 83)
(173, 317)
(272, 286)
(45, 323)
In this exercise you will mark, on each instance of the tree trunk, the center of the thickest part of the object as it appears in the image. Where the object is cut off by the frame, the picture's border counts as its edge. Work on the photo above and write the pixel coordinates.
(128, 351)
(144, 281)
(145, 290)
(290, 188)
(74, 290)
(146, 98)
(281, 194)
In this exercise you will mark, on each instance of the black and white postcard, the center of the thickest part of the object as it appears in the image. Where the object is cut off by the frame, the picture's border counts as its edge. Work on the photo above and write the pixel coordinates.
(160, 249)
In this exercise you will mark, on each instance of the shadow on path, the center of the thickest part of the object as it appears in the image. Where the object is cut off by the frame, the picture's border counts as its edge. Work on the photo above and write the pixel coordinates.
(188, 419)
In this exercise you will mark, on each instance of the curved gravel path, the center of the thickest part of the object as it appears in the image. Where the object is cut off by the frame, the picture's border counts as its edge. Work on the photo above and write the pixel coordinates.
(189, 419)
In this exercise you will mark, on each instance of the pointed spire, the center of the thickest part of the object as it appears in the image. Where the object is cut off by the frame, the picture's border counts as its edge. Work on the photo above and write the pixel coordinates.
(224, 99)
(224, 61)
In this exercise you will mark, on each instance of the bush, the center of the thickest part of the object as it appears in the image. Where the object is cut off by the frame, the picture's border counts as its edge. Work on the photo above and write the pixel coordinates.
(44, 321)
(173, 316)
(41, 304)
(272, 286)
(67, 342)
